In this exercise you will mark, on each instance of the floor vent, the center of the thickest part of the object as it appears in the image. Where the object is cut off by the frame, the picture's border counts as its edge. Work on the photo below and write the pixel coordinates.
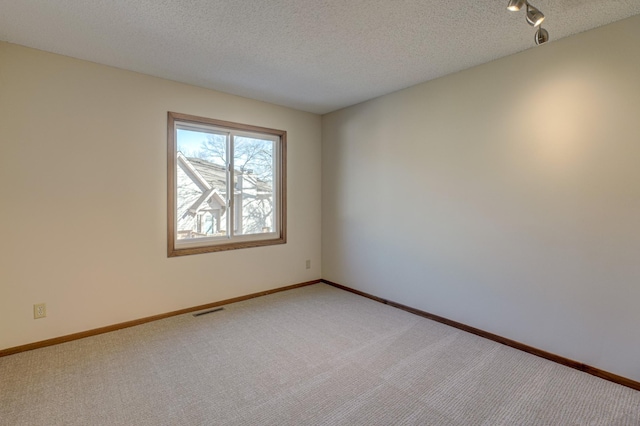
(210, 311)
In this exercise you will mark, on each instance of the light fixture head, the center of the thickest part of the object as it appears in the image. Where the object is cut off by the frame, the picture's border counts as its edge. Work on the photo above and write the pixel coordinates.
(534, 16)
(515, 5)
(542, 36)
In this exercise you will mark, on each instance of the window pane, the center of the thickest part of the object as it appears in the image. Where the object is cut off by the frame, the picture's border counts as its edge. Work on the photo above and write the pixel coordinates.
(253, 183)
(201, 184)
(226, 185)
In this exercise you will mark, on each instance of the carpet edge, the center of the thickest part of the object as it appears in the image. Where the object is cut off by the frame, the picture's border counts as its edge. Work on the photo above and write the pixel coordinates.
(621, 380)
(132, 323)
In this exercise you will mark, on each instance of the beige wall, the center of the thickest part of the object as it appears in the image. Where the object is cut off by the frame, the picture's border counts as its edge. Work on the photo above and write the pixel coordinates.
(506, 197)
(83, 208)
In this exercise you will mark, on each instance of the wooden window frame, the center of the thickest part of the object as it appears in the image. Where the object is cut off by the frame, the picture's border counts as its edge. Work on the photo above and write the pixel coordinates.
(280, 187)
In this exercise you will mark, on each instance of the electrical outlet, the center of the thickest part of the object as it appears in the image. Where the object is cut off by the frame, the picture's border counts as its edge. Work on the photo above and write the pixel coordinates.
(39, 310)
(308, 264)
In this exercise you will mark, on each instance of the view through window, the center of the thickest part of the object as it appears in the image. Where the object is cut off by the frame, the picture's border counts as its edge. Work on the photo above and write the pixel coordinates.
(226, 185)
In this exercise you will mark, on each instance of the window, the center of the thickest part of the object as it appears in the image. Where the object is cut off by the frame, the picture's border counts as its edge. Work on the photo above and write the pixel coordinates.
(226, 185)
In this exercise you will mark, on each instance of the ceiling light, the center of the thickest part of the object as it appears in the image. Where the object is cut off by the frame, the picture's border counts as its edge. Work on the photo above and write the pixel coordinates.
(542, 36)
(534, 16)
(515, 5)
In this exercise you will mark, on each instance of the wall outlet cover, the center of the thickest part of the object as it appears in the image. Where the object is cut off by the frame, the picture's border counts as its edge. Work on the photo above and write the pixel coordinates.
(39, 310)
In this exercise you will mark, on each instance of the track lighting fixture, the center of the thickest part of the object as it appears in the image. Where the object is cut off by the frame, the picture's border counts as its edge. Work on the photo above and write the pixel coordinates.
(533, 17)
(515, 5)
(542, 36)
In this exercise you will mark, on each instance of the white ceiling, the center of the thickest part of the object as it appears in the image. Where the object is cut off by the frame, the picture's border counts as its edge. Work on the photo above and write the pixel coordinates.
(312, 55)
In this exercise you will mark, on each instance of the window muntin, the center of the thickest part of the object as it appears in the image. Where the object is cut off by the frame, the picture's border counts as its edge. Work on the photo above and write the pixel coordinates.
(226, 185)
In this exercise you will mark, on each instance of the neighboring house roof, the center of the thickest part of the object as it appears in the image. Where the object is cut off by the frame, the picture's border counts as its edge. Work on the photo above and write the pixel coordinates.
(211, 179)
(214, 174)
(202, 191)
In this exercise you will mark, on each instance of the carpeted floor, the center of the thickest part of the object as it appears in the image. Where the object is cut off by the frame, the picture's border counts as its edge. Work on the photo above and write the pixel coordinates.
(311, 356)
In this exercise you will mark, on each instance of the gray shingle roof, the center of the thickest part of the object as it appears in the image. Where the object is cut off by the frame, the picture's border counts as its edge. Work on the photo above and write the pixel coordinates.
(216, 175)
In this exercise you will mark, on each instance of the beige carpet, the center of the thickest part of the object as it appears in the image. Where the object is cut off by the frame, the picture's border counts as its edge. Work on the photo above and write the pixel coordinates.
(311, 356)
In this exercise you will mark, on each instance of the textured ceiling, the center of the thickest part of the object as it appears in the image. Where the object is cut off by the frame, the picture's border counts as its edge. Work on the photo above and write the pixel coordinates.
(312, 55)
